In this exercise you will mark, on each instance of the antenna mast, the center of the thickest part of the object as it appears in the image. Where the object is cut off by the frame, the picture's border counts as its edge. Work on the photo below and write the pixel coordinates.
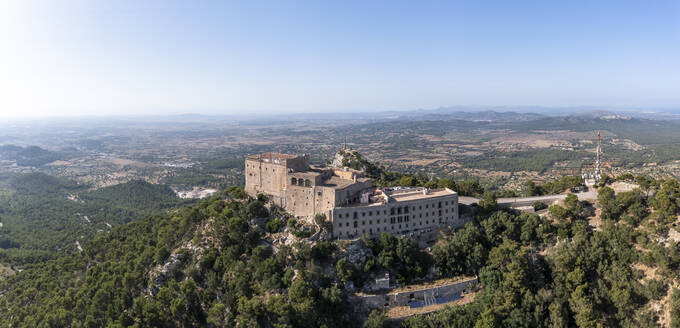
(598, 172)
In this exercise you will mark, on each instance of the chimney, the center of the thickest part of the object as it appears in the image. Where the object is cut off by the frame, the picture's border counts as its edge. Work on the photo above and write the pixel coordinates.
(424, 191)
(354, 177)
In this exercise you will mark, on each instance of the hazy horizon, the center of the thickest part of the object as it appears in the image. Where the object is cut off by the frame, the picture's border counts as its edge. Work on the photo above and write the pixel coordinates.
(88, 58)
(528, 109)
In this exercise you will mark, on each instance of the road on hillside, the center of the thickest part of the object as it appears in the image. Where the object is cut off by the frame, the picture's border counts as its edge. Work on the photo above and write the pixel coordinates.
(588, 195)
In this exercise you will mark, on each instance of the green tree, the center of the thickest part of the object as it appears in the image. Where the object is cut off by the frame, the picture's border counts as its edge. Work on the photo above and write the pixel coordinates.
(607, 200)
(558, 212)
(533, 189)
(377, 319)
(488, 202)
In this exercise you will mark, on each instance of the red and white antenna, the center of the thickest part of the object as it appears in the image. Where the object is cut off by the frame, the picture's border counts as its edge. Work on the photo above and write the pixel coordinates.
(598, 172)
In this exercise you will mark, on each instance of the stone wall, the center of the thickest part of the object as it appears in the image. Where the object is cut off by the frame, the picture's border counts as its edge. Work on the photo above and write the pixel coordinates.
(388, 300)
(308, 201)
(266, 178)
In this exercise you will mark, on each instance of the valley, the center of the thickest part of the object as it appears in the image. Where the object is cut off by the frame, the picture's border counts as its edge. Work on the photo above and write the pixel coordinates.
(159, 232)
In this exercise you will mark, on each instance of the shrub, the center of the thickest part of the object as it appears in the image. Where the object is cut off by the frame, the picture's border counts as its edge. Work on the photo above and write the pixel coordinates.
(274, 225)
(292, 222)
(539, 206)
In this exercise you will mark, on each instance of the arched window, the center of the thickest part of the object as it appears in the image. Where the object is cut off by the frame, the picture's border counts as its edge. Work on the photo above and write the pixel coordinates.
(293, 181)
(308, 183)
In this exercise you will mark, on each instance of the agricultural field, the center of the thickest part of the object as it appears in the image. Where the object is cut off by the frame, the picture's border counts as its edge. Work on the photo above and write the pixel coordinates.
(501, 150)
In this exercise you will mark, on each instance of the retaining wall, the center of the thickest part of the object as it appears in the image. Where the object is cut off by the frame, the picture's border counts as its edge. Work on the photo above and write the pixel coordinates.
(389, 300)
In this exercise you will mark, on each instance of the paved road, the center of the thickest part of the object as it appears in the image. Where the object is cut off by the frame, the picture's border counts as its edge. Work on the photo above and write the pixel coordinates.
(588, 195)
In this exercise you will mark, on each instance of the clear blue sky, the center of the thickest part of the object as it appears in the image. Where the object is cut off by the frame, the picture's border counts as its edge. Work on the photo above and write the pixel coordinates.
(156, 57)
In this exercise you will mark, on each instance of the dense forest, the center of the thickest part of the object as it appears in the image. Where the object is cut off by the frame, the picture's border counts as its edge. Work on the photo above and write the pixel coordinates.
(31, 155)
(211, 265)
(43, 216)
(584, 277)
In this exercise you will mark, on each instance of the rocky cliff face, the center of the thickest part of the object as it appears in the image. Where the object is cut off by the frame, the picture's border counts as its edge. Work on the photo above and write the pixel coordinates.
(337, 159)
(350, 158)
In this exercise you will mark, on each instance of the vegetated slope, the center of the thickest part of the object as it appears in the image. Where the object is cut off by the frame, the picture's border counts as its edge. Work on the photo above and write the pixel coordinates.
(532, 160)
(136, 198)
(29, 156)
(189, 268)
(46, 215)
(642, 131)
(210, 266)
(213, 172)
(619, 275)
(41, 184)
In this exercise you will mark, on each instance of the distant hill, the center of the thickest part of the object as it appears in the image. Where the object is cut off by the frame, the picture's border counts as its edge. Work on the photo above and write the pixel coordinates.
(42, 184)
(29, 156)
(133, 198)
(643, 131)
(46, 215)
(484, 115)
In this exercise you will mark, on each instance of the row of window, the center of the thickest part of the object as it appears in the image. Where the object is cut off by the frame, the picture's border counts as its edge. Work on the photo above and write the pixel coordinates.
(370, 222)
(300, 182)
(355, 214)
(384, 229)
(265, 168)
(393, 220)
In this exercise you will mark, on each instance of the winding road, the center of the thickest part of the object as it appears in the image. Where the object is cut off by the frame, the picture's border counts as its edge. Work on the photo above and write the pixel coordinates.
(526, 201)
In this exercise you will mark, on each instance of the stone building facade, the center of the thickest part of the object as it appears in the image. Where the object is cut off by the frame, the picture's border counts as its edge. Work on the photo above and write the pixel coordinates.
(300, 188)
(408, 211)
(347, 198)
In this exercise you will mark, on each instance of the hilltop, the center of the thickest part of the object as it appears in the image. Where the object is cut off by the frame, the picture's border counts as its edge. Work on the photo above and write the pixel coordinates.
(238, 261)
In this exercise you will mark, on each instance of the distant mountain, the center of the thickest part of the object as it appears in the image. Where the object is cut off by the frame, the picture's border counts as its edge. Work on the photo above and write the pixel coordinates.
(29, 156)
(444, 113)
(486, 115)
(641, 130)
